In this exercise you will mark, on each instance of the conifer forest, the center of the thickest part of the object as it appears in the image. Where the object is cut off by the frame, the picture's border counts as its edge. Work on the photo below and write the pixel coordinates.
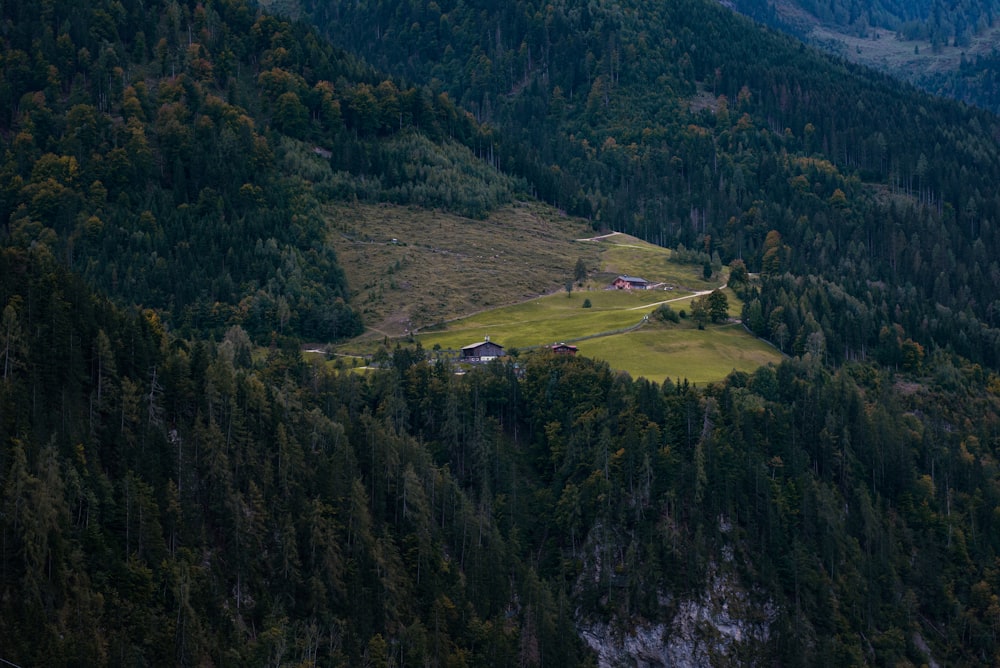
(181, 485)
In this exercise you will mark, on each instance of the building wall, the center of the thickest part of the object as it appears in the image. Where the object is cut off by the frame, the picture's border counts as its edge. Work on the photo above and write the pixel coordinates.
(486, 349)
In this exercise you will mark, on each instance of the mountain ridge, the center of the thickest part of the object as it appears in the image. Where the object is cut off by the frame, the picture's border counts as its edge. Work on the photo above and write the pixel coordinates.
(789, 145)
(948, 51)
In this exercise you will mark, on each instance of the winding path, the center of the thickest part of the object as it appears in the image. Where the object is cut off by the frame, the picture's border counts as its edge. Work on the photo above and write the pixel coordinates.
(693, 295)
(598, 238)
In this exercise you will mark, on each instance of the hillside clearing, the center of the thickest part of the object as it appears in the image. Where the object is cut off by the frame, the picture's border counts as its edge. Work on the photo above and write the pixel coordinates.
(446, 282)
(409, 268)
(615, 329)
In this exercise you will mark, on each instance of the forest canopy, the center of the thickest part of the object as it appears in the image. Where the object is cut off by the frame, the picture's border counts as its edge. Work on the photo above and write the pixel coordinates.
(686, 124)
(175, 156)
(180, 485)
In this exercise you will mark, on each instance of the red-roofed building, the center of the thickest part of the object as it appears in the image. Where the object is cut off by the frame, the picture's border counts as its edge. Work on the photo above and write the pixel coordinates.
(631, 283)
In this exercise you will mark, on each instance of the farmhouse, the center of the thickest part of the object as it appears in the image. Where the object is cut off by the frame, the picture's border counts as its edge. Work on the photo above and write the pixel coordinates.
(631, 283)
(484, 351)
(564, 349)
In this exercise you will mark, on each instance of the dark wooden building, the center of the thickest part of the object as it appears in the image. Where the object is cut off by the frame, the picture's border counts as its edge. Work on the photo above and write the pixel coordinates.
(564, 349)
(484, 351)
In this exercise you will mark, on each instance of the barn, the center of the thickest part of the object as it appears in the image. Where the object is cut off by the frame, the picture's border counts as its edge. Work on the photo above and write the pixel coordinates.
(624, 282)
(484, 351)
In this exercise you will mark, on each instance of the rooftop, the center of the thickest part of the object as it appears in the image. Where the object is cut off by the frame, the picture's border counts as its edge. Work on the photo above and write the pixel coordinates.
(480, 343)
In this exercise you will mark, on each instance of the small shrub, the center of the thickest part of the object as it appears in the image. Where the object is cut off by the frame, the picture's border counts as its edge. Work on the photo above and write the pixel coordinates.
(667, 314)
(586, 303)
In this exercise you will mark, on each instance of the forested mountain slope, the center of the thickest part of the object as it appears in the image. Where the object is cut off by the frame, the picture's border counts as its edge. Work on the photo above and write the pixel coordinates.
(684, 123)
(948, 48)
(164, 151)
(168, 501)
(173, 493)
(935, 20)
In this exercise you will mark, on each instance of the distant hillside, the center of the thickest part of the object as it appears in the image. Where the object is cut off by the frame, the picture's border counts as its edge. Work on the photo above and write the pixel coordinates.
(936, 20)
(946, 48)
(683, 123)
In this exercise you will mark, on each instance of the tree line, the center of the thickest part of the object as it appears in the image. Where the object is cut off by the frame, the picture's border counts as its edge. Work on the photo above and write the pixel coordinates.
(192, 500)
(171, 154)
(876, 189)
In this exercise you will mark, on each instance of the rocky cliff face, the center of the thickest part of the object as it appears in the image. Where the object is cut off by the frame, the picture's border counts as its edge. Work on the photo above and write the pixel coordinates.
(725, 625)
(720, 628)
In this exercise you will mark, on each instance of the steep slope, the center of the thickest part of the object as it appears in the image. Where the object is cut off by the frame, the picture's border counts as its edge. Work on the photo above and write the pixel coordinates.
(945, 48)
(684, 123)
(178, 502)
(165, 152)
(413, 269)
(172, 499)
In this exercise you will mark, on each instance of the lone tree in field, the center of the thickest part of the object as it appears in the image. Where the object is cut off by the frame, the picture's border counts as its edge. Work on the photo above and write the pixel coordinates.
(699, 312)
(580, 271)
(718, 306)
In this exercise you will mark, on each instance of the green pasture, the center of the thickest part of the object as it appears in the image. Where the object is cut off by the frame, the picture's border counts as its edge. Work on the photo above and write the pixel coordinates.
(624, 254)
(701, 356)
(654, 350)
(551, 319)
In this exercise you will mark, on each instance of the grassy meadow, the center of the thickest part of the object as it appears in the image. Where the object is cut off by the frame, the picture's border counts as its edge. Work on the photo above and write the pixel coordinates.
(700, 356)
(624, 254)
(549, 319)
(447, 282)
(409, 268)
(652, 349)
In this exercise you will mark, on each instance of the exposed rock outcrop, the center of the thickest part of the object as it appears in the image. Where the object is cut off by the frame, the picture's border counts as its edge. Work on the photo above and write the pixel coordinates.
(725, 625)
(722, 627)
